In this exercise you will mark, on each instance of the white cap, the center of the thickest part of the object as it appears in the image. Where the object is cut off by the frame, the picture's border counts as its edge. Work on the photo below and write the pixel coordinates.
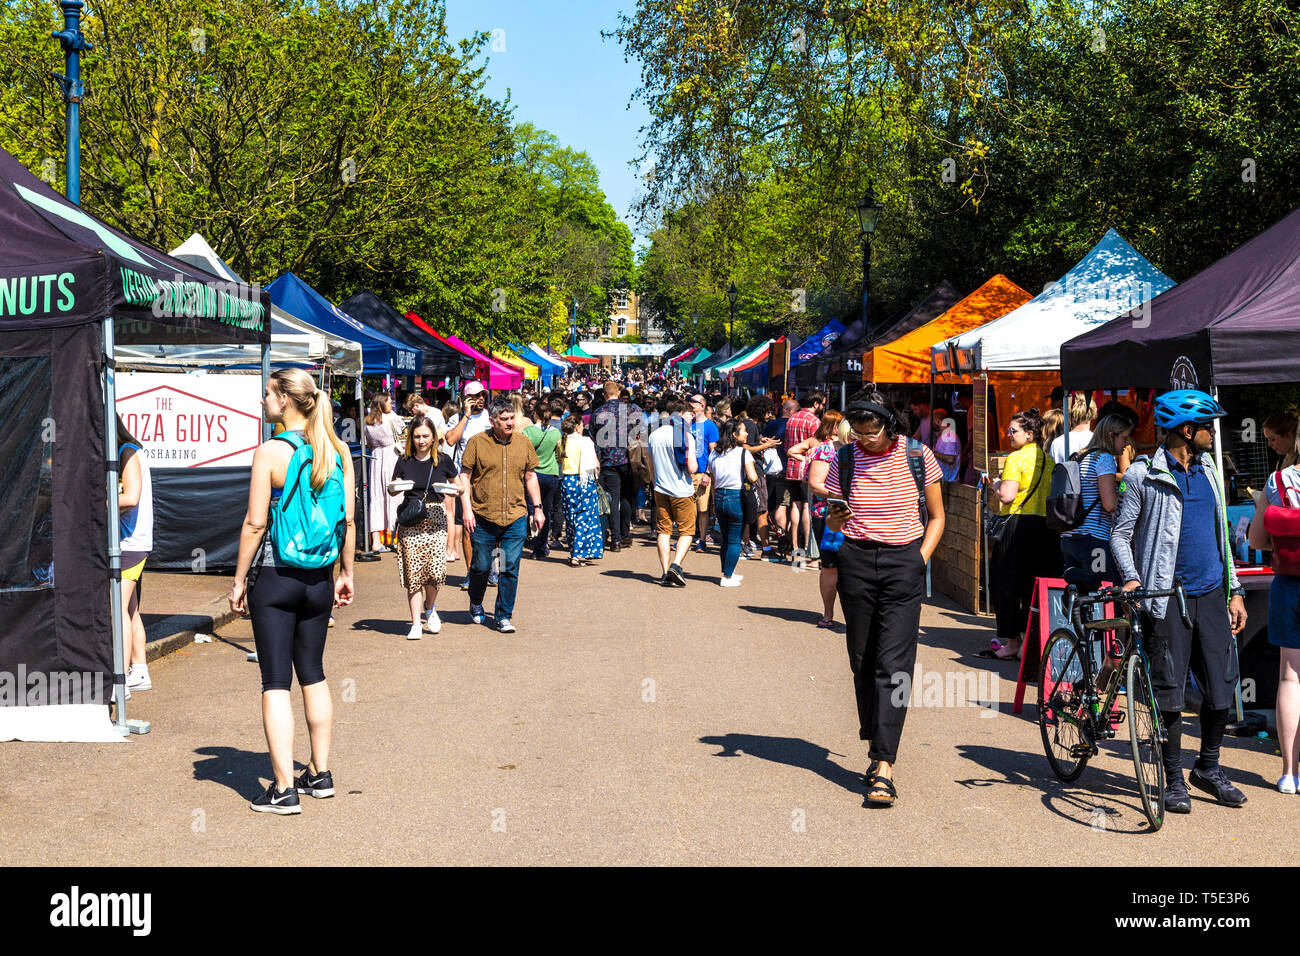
(473, 388)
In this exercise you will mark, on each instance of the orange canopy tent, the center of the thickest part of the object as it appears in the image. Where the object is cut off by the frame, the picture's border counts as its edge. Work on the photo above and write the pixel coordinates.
(907, 359)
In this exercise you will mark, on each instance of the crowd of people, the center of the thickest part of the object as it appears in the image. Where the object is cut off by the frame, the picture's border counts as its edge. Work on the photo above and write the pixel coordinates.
(854, 494)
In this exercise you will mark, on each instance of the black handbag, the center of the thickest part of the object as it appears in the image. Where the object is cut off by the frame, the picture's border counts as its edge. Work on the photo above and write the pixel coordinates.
(412, 510)
(995, 524)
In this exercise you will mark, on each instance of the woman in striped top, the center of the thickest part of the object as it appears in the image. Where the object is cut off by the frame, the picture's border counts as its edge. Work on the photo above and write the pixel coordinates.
(1086, 549)
(882, 575)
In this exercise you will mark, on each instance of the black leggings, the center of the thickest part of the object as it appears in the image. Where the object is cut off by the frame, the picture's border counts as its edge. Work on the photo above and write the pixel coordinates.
(290, 608)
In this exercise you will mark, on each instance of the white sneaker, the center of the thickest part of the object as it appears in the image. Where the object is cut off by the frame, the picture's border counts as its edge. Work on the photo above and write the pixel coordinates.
(731, 582)
(1287, 784)
(137, 678)
(414, 633)
(432, 621)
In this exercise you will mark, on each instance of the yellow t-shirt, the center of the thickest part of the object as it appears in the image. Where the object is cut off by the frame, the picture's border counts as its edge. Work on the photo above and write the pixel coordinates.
(572, 454)
(1024, 466)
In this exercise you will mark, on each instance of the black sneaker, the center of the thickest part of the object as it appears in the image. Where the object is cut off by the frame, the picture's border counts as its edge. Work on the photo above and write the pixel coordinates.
(1177, 799)
(277, 801)
(675, 576)
(321, 785)
(664, 582)
(1215, 782)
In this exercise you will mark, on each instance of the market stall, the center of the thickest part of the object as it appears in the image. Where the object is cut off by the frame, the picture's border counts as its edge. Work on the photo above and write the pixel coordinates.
(440, 360)
(71, 289)
(1236, 322)
(494, 374)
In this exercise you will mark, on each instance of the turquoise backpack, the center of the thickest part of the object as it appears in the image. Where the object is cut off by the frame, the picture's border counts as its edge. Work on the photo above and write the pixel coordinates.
(307, 526)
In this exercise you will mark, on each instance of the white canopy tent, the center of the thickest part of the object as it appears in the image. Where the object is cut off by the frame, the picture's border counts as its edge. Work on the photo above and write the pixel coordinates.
(293, 341)
(1112, 279)
(625, 349)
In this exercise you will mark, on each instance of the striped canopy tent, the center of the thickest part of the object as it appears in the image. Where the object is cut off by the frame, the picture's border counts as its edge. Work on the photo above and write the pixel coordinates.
(576, 354)
(906, 359)
(745, 359)
(681, 355)
(539, 357)
(697, 358)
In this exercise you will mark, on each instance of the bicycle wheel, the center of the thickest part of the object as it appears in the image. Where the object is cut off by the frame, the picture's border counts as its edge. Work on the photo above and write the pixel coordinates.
(1061, 711)
(1144, 731)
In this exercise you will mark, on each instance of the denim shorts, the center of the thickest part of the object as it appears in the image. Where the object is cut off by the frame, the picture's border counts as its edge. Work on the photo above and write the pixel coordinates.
(1284, 611)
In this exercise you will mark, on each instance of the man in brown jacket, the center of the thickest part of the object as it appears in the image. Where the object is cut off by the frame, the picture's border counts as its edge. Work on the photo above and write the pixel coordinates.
(503, 493)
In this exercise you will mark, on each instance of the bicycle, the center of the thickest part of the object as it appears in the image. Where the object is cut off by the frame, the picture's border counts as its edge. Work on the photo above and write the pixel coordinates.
(1074, 713)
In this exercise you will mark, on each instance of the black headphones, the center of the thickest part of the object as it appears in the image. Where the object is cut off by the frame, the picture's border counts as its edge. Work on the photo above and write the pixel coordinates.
(886, 415)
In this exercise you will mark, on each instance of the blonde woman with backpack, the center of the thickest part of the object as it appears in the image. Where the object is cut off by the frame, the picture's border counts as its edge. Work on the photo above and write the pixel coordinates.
(301, 482)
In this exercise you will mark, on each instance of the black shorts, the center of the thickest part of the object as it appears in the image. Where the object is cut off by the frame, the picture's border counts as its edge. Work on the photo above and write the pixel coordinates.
(1208, 649)
(798, 491)
(777, 496)
(460, 511)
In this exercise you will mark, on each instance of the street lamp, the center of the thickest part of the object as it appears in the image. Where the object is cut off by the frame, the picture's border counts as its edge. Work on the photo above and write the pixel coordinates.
(868, 217)
(732, 295)
(573, 325)
(695, 330)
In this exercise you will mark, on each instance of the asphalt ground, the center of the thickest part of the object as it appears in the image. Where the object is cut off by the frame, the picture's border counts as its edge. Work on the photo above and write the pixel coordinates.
(623, 724)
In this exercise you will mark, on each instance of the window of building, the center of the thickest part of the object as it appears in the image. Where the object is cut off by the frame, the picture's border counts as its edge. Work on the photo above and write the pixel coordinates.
(622, 300)
(622, 325)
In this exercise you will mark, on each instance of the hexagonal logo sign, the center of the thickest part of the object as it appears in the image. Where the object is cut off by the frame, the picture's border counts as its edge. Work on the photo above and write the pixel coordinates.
(192, 421)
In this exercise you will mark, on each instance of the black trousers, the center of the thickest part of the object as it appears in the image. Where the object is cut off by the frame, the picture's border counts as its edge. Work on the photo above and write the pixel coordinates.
(1027, 550)
(548, 485)
(881, 587)
(620, 485)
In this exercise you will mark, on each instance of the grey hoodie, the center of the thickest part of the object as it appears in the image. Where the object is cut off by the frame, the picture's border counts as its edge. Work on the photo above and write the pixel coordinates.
(1150, 521)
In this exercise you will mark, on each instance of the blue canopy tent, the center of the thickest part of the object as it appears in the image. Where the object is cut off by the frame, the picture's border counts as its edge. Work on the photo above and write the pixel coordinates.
(548, 367)
(817, 343)
(380, 354)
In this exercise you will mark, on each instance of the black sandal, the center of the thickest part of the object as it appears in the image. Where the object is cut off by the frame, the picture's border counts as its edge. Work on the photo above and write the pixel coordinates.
(885, 787)
(870, 775)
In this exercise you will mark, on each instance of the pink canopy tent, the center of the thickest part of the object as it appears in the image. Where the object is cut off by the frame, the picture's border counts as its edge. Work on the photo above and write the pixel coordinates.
(496, 374)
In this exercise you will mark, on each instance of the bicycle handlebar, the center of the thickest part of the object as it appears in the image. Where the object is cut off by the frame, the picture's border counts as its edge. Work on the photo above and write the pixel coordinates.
(1130, 598)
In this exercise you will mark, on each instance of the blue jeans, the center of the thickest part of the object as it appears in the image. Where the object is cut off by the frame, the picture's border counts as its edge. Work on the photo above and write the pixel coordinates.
(728, 509)
(487, 538)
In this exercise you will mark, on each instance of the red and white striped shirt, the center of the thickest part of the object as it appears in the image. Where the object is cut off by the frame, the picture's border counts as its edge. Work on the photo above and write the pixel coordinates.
(884, 499)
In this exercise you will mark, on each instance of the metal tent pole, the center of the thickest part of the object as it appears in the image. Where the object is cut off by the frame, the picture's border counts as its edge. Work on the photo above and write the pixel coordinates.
(267, 428)
(123, 725)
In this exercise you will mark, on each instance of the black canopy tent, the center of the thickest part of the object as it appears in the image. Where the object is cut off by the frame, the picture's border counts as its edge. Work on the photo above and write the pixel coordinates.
(440, 359)
(70, 286)
(1236, 322)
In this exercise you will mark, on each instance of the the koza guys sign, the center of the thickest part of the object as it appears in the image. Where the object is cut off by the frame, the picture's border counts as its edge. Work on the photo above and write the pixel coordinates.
(192, 421)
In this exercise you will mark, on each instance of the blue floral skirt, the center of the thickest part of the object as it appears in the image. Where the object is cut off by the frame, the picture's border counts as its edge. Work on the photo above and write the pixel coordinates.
(584, 518)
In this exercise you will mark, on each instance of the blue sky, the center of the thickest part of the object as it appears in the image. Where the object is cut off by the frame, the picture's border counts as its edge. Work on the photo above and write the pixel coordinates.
(563, 77)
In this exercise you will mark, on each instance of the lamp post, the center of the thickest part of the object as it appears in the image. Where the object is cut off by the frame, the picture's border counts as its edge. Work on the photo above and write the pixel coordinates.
(573, 325)
(732, 295)
(868, 216)
(74, 44)
(695, 330)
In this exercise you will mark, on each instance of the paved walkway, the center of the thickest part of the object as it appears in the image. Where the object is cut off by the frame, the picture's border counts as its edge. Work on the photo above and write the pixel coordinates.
(623, 723)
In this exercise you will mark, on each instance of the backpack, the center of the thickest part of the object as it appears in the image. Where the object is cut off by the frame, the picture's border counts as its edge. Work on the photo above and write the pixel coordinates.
(1282, 522)
(915, 464)
(307, 526)
(1065, 511)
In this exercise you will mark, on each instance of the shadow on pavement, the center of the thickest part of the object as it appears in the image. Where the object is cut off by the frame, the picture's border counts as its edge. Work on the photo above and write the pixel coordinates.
(791, 751)
(240, 770)
(797, 615)
(389, 627)
(1100, 799)
(630, 575)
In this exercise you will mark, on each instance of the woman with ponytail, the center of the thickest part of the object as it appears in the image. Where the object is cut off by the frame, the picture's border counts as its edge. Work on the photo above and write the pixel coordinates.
(290, 604)
(1025, 549)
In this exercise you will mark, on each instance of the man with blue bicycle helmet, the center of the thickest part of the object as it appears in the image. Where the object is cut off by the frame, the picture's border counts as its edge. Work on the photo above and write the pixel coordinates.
(1172, 524)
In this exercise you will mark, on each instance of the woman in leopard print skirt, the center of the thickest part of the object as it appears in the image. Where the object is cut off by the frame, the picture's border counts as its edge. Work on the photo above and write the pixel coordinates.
(422, 546)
